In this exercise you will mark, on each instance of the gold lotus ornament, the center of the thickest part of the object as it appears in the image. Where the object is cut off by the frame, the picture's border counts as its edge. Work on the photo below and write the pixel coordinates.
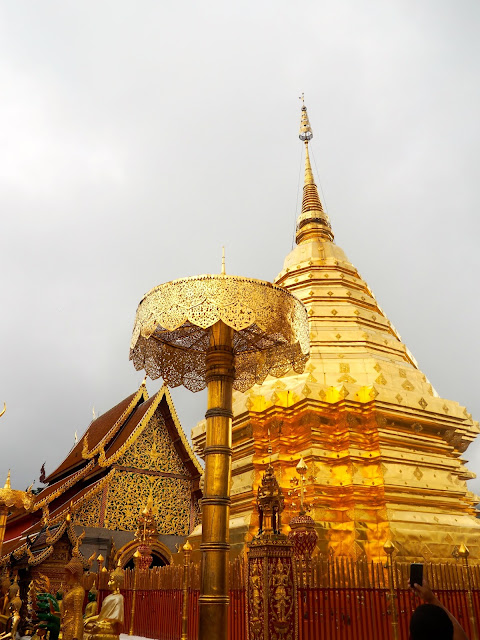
(221, 332)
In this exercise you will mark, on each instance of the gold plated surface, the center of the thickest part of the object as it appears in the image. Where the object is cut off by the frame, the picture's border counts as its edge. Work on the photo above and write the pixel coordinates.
(171, 337)
(386, 451)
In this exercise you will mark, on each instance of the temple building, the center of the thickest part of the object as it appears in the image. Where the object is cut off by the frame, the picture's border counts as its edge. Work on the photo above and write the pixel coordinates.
(383, 450)
(133, 454)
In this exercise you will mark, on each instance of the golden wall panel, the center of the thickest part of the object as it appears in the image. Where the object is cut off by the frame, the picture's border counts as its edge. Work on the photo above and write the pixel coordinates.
(88, 514)
(128, 493)
(153, 450)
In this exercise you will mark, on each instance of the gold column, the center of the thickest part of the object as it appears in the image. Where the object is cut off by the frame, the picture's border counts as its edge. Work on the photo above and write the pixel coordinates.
(463, 552)
(187, 550)
(136, 556)
(100, 561)
(220, 374)
(3, 525)
(389, 548)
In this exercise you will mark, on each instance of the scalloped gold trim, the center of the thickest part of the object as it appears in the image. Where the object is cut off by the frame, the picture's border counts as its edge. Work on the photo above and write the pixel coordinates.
(62, 488)
(103, 461)
(86, 454)
(180, 431)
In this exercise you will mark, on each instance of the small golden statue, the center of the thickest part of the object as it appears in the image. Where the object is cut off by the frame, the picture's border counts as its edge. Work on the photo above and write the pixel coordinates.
(11, 599)
(92, 606)
(72, 603)
(12, 623)
(109, 622)
(4, 589)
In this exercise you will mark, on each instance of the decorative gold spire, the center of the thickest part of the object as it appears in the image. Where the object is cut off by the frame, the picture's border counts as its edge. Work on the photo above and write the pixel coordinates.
(7, 484)
(313, 222)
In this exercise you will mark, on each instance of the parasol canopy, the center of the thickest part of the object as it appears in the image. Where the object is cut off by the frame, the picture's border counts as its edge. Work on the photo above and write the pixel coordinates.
(171, 334)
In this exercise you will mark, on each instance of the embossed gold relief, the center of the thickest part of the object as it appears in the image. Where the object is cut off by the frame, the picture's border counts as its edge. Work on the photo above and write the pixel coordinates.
(281, 587)
(129, 490)
(153, 450)
(88, 513)
(256, 598)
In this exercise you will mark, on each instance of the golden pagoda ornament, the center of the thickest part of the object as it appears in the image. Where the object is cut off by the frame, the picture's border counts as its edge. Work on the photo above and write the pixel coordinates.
(12, 501)
(302, 534)
(386, 450)
(146, 535)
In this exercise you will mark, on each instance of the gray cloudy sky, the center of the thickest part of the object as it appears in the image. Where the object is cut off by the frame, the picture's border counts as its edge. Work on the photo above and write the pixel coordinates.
(136, 138)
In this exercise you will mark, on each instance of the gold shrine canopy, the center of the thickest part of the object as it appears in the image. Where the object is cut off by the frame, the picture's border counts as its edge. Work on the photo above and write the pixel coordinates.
(171, 334)
(14, 500)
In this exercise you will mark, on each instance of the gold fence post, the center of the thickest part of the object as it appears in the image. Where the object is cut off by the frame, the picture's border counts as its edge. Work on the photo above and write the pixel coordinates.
(389, 548)
(187, 550)
(463, 552)
(136, 557)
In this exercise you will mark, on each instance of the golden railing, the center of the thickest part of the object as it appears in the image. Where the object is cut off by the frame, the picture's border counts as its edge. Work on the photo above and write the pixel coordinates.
(339, 598)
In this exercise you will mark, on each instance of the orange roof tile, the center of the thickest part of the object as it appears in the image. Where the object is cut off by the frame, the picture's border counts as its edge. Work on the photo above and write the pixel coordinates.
(97, 430)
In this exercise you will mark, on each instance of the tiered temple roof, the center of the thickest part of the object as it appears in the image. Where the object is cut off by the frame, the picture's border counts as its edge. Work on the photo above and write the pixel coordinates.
(135, 448)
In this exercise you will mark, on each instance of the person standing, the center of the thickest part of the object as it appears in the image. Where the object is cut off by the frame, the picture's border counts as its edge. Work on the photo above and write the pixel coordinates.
(432, 620)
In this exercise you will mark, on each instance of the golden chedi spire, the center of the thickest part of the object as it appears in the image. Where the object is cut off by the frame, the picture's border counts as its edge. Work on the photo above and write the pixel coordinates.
(386, 451)
(313, 222)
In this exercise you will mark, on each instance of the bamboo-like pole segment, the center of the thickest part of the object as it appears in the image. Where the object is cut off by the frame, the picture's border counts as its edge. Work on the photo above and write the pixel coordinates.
(187, 550)
(463, 552)
(220, 373)
(389, 548)
(136, 557)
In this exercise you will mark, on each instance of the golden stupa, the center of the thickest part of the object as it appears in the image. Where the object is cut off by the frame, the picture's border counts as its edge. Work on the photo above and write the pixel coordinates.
(383, 450)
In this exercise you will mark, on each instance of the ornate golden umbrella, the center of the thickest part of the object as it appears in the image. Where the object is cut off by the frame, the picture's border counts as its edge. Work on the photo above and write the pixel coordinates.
(12, 501)
(222, 332)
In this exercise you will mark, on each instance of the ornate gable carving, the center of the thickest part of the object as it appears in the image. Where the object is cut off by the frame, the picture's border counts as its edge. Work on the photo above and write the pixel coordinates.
(153, 450)
(129, 491)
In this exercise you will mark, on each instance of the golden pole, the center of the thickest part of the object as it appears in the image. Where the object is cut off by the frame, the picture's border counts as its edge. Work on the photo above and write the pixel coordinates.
(100, 561)
(136, 557)
(463, 552)
(3, 525)
(187, 550)
(389, 548)
(220, 374)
